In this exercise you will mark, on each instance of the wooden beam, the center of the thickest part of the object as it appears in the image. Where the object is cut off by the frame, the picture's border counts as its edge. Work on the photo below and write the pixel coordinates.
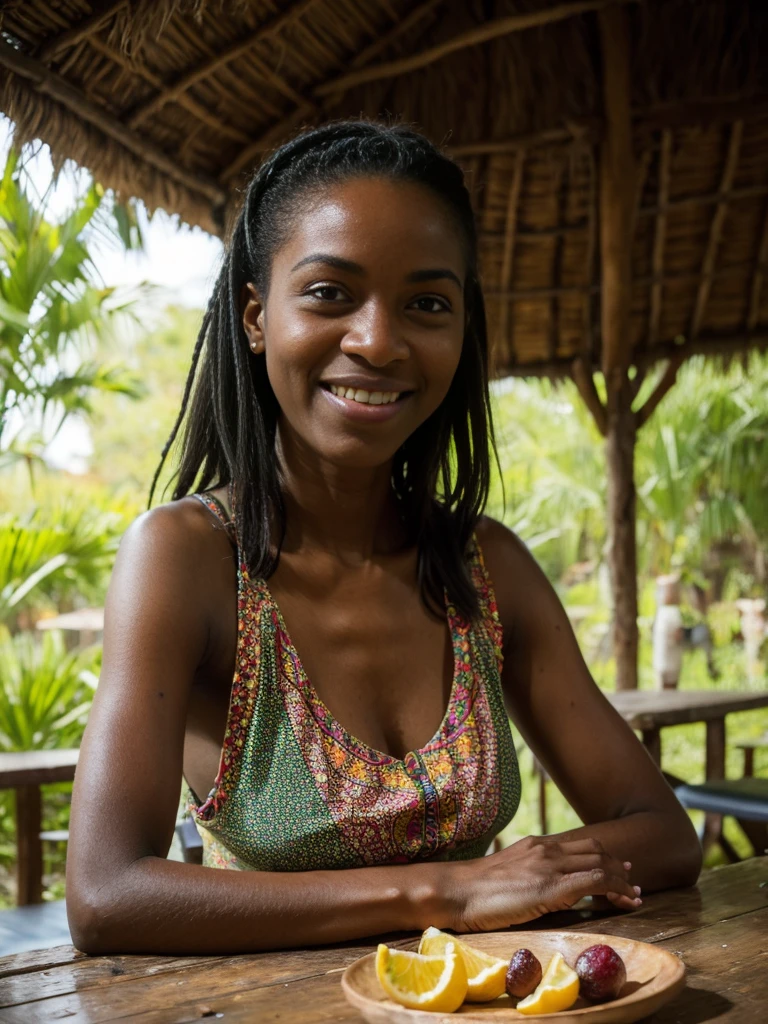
(528, 140)
(492, 29)
(703, 112)
(99, 16)
(50, 84)
(581, 372)
(561, 191)
(590, 262)
(200, 71)
(716, 228)
(310, 105)
(707, 199)
(510, 233)
(660, 235)
(384, 41)
(710, 345)
(618, 205)
(761, 264)
(187, 102)
(666, 381)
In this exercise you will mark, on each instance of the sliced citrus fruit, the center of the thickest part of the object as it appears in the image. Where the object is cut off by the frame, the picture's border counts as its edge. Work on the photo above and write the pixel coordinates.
(423, 982)
(485, 974)
(558, 989)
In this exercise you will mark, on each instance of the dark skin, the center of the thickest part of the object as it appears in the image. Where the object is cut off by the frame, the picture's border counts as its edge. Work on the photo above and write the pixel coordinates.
(388, 304)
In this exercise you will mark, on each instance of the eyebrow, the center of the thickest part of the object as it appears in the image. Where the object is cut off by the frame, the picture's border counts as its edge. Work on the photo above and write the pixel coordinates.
(415, 277)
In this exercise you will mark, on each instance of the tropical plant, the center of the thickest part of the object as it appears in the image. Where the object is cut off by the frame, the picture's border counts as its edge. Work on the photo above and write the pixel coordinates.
(702, 467)
(53, 308)
(46, 693)
(128, 436)
(553, 472)
(53, 555)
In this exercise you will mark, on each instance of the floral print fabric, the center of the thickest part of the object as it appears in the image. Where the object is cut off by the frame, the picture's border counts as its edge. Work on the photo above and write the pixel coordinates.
(296, 792)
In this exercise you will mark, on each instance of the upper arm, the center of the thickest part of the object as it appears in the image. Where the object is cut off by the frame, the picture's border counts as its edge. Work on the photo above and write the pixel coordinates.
(586, 747)
(155, 634)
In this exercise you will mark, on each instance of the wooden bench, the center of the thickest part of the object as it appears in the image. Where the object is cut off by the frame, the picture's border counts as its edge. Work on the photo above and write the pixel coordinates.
(25, 773)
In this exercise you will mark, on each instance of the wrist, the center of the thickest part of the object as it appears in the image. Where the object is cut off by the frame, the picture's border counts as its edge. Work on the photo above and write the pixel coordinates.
(436, 896)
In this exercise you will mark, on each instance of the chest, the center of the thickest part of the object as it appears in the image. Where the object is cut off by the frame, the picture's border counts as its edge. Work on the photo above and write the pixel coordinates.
(373, 653)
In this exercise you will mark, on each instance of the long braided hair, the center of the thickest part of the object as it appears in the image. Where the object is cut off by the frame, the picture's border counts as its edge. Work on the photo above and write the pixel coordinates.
(441, 473)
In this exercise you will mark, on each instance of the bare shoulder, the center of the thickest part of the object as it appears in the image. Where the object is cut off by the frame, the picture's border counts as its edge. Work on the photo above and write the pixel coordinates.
(176, 556)
(180, 533)
(519, 584)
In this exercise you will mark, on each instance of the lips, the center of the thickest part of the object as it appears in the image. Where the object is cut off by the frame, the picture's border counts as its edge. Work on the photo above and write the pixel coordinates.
(362, 409)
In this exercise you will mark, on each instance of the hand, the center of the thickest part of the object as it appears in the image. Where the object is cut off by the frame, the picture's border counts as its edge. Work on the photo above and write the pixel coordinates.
(536, 876)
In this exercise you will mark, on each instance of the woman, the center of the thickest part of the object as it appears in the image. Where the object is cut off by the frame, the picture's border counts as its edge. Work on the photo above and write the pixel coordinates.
(333, 566)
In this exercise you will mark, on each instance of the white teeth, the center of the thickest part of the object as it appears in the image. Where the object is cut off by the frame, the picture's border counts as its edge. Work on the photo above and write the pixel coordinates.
(363, 396)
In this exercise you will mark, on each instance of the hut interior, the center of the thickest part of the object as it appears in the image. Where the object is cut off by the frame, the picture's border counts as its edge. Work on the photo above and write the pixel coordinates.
(617, 153)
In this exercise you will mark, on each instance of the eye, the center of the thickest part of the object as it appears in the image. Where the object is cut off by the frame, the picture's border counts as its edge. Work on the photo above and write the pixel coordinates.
(326, 292)
(432, 304)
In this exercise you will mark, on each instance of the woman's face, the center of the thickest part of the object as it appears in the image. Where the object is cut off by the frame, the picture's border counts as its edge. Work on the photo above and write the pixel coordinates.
(364, 321)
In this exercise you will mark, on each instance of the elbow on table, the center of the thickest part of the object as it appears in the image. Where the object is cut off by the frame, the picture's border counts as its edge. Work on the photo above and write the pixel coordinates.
(92, 922)
(685, 856)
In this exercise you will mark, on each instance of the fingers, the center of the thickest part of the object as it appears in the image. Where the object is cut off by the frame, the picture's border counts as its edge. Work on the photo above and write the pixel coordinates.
(597, 882)
(624, 902)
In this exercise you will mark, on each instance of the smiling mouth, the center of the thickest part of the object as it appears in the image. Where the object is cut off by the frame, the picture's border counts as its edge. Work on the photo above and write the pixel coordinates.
(363, 397)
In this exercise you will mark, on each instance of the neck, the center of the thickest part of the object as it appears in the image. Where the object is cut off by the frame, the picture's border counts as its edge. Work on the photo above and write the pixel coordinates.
(349, 513)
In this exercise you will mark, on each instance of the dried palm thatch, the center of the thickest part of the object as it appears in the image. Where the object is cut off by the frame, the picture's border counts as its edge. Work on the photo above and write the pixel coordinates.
(177, 101)
(617, 151)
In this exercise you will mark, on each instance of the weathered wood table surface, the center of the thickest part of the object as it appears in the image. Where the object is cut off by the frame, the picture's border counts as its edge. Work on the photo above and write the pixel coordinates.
(650, 711)
(719, 928)
(26, 772)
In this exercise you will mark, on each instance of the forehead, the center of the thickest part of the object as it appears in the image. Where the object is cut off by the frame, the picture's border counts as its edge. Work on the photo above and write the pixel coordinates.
(375, 222)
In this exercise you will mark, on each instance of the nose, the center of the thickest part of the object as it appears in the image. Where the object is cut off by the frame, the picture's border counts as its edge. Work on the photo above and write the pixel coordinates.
(376, 334)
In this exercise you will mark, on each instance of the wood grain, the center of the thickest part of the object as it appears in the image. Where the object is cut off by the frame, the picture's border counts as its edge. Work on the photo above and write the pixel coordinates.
(716, 927)
(649, 709)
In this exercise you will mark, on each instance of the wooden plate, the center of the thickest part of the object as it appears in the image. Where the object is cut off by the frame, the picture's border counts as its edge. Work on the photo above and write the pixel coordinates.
(654, 976)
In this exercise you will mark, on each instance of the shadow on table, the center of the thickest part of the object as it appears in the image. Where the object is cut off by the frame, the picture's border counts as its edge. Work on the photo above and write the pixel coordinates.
(694, 1006)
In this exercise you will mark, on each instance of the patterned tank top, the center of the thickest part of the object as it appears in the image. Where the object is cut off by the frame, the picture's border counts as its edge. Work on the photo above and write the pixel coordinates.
(296, 792)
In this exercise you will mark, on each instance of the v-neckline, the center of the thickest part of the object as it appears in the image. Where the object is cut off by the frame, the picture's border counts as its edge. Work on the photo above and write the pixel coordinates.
(328, 721)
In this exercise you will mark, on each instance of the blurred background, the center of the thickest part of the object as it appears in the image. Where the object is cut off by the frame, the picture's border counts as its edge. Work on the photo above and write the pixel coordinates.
(617, 155)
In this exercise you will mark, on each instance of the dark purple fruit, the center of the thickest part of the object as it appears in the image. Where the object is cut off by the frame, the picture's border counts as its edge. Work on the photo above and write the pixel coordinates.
(523, 974)
(601, 973)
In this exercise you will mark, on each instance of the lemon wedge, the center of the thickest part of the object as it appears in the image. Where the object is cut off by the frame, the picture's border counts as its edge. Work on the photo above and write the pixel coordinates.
(486, 974)
(423, 982)
(558, 989)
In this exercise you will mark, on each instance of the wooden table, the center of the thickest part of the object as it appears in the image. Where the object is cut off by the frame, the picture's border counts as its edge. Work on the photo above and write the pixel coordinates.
(26, 772)
(719, 929)
(650, 711)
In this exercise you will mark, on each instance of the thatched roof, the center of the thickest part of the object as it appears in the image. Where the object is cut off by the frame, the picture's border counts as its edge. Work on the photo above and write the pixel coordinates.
(176, 102)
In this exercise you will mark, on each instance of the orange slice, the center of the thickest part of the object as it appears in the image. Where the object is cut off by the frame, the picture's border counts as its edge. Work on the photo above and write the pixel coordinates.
(558, 989)
(486, 974)
(423, 982)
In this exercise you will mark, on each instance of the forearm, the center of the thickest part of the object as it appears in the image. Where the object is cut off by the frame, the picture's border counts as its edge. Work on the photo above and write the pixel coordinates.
(662, 846)
(167, 907)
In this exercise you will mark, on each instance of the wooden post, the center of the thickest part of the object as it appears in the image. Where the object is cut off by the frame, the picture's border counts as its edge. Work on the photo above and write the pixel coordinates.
(29, 870)
(617, 197)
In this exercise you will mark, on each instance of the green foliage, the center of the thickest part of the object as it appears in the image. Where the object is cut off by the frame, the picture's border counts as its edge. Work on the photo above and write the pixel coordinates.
(553, 472)
(128, 437)
(701, 470)
(53, 555)
(52, 309)
(46, 692)
(701, 465)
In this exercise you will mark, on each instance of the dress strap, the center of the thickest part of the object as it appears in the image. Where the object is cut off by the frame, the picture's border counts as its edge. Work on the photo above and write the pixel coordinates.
(213, 505)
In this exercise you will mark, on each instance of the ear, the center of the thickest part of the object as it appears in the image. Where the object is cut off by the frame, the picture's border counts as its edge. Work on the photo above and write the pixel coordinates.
(253, 317)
